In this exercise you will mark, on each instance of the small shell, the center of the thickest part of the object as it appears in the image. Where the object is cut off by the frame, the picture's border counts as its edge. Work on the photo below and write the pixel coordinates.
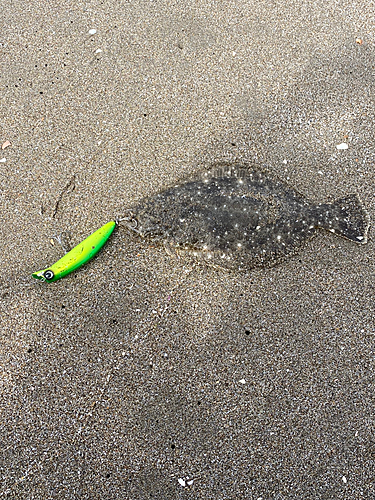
(6, 144)
(359, 41)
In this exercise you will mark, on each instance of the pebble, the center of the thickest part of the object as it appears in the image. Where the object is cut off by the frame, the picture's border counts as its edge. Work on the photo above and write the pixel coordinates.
(182, 482)
(92, 32)
(3, 160)
(343, 145)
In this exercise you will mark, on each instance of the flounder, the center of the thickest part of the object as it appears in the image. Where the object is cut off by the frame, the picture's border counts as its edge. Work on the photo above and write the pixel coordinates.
(236, 217)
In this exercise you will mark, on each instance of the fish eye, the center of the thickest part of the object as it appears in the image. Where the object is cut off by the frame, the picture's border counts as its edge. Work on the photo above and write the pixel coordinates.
(49, 274)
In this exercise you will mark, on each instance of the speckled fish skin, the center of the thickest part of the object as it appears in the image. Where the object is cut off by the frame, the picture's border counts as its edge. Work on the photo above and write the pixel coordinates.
(240, 218)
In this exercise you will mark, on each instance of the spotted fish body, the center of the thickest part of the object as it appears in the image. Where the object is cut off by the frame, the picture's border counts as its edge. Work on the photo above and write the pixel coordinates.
(234, 217)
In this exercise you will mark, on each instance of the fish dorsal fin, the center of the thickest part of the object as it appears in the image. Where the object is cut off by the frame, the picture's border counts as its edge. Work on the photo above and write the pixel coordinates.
(223, 169)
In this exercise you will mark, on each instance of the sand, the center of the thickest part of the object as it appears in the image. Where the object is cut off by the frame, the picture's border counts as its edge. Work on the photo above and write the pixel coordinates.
(143, 376)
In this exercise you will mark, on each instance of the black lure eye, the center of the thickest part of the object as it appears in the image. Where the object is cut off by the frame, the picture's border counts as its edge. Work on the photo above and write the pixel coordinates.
(48, 274)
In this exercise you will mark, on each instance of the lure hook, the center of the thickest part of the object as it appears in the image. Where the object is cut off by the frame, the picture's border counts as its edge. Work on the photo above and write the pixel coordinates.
(130, 221)
(128, 217)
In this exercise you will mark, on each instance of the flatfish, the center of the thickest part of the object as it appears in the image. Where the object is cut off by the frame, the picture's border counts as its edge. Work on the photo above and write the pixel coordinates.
(237, 217)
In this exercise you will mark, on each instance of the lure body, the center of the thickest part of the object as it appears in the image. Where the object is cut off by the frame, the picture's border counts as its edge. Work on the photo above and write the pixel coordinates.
(78, 256)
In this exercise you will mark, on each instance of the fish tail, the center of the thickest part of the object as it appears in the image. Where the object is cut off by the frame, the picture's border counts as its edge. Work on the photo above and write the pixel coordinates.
(345, 217)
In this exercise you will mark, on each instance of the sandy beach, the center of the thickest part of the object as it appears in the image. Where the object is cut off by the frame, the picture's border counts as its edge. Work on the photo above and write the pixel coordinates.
(146, 376)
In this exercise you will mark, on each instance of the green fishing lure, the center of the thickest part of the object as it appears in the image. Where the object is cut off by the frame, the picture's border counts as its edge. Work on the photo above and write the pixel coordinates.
(78, 256)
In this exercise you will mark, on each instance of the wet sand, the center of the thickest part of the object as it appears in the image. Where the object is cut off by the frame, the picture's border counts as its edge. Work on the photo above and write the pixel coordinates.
(143, 376)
